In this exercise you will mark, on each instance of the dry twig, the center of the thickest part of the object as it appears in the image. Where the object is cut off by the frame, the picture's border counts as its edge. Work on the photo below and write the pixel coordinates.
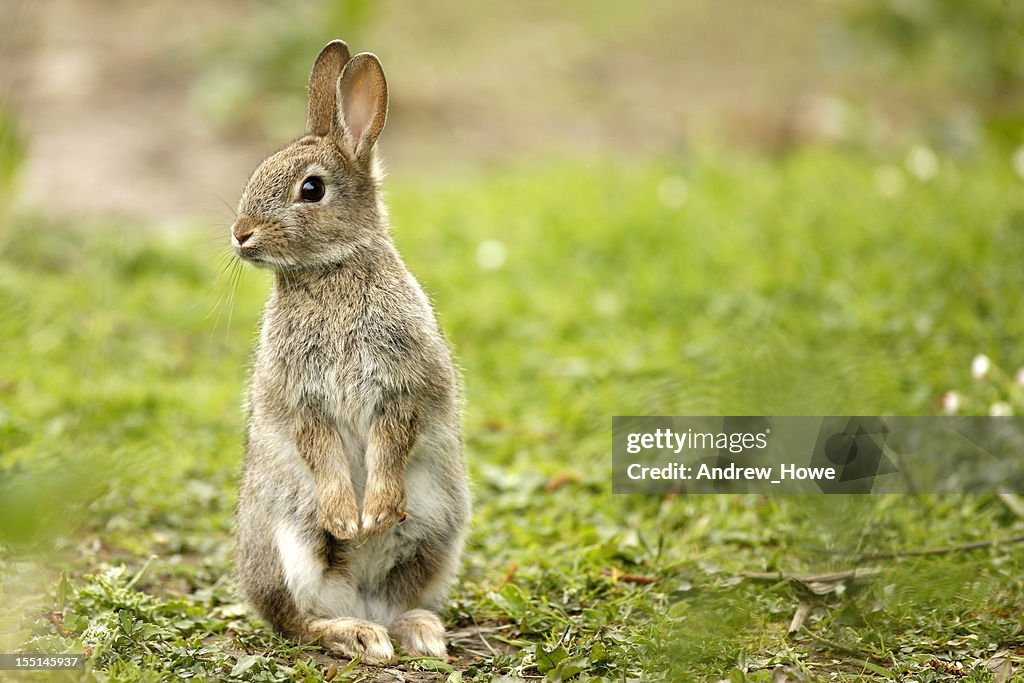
(858, 574)
(976, 545)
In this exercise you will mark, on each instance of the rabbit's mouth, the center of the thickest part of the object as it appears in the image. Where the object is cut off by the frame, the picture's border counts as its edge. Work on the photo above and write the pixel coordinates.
(248, 252)
(248, 255)
(248, 239)
(251, 251)
(258, 257)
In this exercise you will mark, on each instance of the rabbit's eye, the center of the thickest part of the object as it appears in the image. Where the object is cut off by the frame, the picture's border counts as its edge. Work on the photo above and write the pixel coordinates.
(312, 189)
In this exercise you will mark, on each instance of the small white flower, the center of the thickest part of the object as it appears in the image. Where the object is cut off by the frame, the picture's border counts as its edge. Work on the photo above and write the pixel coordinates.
(1018, 161)
(491, 254)
(951, 402)
(980, 367)
(1000, 409)
(574, 366)
(1019, 377)
(607, 303)
(889, 180)
(922, 163)
(673, 191)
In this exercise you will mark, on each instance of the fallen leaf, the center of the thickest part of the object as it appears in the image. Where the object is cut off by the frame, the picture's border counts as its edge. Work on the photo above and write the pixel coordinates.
(559, 480)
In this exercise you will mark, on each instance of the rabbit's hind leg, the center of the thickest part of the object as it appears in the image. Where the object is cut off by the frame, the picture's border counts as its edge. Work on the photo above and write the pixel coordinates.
(418, 585)
(295, 576)
(328, 599)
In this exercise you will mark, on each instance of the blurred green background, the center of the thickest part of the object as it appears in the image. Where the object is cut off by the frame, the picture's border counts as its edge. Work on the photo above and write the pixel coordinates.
(652, 208)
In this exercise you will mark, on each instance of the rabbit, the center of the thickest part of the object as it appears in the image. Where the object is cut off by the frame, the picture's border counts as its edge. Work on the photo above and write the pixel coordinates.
(354, 498)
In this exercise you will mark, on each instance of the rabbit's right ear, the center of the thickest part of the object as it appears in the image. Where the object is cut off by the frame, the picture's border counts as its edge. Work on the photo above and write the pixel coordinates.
(362, 104)
(323, 87)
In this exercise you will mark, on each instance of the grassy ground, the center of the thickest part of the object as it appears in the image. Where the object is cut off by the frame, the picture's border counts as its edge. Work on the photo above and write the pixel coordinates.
(821, 283)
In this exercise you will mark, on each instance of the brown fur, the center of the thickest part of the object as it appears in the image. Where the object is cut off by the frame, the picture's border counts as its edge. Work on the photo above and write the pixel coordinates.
(354, 499)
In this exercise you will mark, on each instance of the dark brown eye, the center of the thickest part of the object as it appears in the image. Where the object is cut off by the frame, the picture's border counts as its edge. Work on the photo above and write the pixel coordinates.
(312, 189)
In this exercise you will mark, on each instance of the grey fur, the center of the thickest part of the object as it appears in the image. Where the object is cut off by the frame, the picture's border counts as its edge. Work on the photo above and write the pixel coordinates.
(354, 499)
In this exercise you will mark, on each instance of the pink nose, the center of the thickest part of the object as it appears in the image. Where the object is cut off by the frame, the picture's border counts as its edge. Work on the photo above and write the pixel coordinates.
(243, 228)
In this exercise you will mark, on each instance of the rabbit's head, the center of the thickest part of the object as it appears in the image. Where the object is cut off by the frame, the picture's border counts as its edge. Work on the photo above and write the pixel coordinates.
(318, 199)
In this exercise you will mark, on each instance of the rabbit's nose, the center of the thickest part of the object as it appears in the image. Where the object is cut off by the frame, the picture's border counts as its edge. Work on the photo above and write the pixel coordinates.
(243, 229)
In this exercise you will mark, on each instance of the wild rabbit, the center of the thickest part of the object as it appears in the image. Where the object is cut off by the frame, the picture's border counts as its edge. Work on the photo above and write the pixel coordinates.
(354, 498)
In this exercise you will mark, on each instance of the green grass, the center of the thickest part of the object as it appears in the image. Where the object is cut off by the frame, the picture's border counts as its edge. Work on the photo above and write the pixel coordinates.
(787, 286)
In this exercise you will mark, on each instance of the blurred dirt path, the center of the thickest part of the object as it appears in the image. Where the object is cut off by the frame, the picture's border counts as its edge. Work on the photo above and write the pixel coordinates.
(105, 91)
(100, 92)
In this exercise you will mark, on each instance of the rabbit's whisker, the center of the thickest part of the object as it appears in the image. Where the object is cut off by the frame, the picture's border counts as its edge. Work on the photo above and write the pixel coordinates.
(231, 267)
(223, 263)
(231, 301)
(234, 213)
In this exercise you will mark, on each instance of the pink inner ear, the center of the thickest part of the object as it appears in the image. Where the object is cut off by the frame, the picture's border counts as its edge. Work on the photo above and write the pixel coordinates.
(359, 107)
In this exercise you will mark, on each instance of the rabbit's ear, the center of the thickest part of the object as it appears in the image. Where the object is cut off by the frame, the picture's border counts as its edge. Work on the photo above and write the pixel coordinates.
(323, 90)
(362, 103)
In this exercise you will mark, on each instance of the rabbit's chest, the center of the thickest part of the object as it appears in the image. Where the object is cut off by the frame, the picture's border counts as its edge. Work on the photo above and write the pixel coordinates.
(345, 369)
(340, 371)
(345, 356)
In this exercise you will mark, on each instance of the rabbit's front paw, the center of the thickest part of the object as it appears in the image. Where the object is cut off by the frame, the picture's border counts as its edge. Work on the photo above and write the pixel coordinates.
(383, 508)
(339, 515)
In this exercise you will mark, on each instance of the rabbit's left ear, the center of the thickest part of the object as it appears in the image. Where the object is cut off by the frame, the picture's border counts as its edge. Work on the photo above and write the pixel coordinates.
(323, 91)
(362, 104)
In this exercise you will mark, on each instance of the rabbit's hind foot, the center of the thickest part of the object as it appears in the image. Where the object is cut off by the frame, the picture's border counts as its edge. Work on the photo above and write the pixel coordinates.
(421, 634)
(354, 638)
